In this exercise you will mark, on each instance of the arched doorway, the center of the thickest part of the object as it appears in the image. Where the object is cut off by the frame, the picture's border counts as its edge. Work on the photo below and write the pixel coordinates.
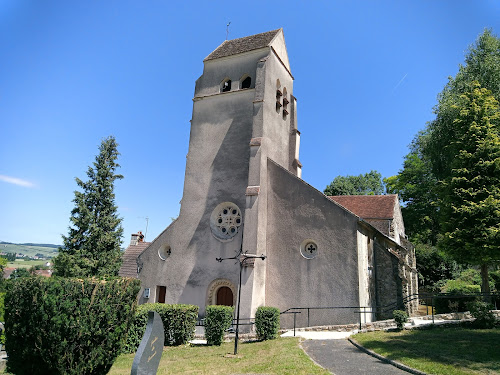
(221, 292)
(224, 296)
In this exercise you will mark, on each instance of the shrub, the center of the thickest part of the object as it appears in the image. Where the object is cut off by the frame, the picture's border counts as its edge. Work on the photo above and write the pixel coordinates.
(483, 314)
(218, 319)
(400, 317)
(267, 322)
(2, 307)
(455, 304)
(67, 326)
(179, 322)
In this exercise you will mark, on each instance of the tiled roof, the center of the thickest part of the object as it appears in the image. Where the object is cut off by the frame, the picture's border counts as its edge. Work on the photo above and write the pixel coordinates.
(240, 45)
(7, 272)
(46, 273)
(368, 206)
(129, 263)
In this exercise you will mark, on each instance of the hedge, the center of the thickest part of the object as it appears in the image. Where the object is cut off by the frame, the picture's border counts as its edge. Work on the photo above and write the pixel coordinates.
(217, 320)
(67, 326)
(267, 322)
(179, 323)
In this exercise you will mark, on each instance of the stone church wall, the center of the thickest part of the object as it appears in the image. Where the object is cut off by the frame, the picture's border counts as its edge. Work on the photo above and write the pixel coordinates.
(389, 290)
(297, 213)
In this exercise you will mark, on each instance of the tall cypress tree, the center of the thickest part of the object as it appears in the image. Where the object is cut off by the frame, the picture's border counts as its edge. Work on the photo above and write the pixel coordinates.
(471, 190)
(92, 246)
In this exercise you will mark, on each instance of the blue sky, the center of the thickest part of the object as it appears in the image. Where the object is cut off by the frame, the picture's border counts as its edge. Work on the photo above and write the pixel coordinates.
(74, 72)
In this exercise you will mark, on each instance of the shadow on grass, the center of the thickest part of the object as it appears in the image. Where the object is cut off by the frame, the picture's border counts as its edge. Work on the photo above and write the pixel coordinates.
(468, 348)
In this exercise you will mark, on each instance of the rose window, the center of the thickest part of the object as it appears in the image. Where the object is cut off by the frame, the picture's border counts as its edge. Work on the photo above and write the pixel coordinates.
(225, 221)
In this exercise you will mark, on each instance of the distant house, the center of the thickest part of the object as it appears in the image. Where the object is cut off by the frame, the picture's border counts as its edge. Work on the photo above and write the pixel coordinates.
(129, 257)
(45, 273)
(7, 271)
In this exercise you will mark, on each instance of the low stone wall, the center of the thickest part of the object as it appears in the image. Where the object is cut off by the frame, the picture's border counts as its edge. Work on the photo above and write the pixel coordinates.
(374, 326)
(378, 325)
(455, 316)
(389, 323)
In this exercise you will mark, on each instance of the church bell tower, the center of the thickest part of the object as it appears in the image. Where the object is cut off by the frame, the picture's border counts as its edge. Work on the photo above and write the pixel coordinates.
(244, 112)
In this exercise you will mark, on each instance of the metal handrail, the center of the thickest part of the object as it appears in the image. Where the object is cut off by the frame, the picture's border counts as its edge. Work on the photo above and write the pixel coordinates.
(388, 307)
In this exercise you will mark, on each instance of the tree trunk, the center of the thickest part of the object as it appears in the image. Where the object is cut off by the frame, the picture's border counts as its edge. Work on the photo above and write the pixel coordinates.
(485, 283)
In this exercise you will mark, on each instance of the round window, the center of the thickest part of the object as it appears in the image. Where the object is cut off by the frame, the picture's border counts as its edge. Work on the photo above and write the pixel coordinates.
(225, 221)
(309, 249)
(164, 252)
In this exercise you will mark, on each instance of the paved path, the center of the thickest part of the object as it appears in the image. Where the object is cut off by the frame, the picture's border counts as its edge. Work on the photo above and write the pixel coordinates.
(343, 358)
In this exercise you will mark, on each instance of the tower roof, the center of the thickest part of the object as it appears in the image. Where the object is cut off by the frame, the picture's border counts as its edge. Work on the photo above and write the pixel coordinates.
(241, 45)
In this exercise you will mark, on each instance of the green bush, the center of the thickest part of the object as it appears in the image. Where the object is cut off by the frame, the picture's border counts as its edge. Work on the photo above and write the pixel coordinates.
(400, 317)
(67, 326)
(446, 304)
(495, 280)
(179, 323)
(483, 314)
(217, 320)
(2, 307)
(267, 322)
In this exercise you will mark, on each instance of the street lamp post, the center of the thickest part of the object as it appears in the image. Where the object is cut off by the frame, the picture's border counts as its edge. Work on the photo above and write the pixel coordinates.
(241, 258)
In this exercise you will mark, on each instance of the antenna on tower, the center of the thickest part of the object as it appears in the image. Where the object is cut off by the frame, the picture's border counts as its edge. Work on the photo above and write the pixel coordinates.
(227, 29)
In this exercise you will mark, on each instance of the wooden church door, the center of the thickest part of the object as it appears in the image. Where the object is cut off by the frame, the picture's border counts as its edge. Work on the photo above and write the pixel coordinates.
(224, 296)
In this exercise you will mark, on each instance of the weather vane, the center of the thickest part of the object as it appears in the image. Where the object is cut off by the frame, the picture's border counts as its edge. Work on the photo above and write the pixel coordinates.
(227, 29)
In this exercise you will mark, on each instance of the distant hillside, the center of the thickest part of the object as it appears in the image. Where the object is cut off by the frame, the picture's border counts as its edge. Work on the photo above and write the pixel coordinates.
(29, 249)
(41, 245)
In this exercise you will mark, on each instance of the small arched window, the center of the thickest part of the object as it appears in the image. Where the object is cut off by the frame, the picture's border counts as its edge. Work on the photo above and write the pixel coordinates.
(246, 82)
(225, 86)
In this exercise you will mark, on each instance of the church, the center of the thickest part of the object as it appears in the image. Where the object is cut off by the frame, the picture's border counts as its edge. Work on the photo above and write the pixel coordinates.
(243, 192)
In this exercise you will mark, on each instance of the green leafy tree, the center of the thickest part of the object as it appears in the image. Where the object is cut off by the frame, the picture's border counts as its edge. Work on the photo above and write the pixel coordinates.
(416, 186)
(470, 190)
(482, 64)
(92, 247)
(11, 257)
(434, 265)
(448, 179)
(364, 184)
(3, 264)
(20, 272)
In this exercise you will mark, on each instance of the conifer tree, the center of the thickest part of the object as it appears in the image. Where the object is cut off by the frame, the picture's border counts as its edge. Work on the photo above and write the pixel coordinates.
(92, 247)
(471, 190)
(446, 185)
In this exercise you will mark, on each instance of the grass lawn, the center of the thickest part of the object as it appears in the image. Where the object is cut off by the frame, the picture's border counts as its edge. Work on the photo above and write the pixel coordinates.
(450, 351)
(280, 356)
(27, 263)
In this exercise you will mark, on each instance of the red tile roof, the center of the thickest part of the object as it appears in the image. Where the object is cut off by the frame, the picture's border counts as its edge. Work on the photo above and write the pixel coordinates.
(46, 273)
(368, 206)
(7, 271)
(129, 264)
